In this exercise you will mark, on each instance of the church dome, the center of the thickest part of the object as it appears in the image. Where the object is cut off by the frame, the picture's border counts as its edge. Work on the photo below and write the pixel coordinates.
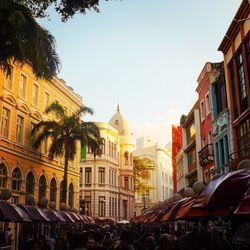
(120, 122)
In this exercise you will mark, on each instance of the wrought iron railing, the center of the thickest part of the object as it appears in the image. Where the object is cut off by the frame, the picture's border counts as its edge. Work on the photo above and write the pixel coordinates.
(236, 157)
(206, 154)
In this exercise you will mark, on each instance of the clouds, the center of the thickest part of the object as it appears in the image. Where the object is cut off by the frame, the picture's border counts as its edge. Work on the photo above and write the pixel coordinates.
(159, 128)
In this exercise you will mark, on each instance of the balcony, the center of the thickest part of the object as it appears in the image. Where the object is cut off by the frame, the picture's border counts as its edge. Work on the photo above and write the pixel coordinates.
(206, 154)
(236, 157)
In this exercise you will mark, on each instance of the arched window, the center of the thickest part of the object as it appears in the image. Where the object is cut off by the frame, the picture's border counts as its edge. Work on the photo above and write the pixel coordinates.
(61, 192)
(131, 159)
(42, 187)
(16, 179)
(126, 158)
(103, 146)
(53, 190)
(30, 183)
(71, 195)
(3, 175)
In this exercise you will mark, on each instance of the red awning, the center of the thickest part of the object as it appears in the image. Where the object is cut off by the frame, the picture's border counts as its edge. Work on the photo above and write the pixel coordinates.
(224, 192)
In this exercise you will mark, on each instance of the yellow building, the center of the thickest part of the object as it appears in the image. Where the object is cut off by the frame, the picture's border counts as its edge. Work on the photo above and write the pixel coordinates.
(23, 99)
(106, 183)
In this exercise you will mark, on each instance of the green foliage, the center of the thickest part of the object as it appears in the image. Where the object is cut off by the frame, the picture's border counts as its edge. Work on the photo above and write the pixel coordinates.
(64, 132)
(66, 9)
(23, 40)
(141, 168)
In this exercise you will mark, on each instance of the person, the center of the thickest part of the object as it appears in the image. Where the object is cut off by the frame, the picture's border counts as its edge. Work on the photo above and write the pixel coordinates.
(8, 236)
(166, 242)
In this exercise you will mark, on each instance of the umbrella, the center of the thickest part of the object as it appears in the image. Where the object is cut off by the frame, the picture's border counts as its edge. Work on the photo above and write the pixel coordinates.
(11, 212)
(67, 216)
(224, 192)
(123, 222)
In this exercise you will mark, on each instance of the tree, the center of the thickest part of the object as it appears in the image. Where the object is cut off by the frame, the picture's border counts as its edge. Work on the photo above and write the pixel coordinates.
(141, 168)
(65, 131)
(66, 8)
(23, 40)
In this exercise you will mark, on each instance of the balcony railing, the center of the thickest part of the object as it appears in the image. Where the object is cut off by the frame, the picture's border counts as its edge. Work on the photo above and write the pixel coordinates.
(236, 157)
(206, 154)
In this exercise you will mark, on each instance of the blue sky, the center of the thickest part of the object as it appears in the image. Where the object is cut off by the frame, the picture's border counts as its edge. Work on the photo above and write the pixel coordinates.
(145, 55)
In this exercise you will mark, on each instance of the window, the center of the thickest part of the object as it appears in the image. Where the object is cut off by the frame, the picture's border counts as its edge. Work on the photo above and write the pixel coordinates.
(16, 179)
(126, 184)
(53, 190)
(210, 137)
(88, 205)
(208, 104)
(101, 175)
(125, 209)
(30, 183)
(88, 175)
(22, 86)
(15, 199)
(115, 151)
(61, 192)
(80, 177)
(101, 207)
(126, 158)
(220, 95)
(71, 195)
(32, 137)
(9, 79)
(103, 146)
(202, 110)
(46, 100)
(19, 129)
(191, 131)
(5, 123)
(3, 175)
(233, 83)
(35, 93)
(248, 56)
(243, 137)
(241, 82)
(109, 148)
(42, 187)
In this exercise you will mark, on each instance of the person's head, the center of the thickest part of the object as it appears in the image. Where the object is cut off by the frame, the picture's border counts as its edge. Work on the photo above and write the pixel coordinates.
(166, 241)
(150, 242)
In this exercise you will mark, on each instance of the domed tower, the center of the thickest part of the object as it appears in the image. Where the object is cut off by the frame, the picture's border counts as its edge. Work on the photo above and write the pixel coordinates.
(120, 123)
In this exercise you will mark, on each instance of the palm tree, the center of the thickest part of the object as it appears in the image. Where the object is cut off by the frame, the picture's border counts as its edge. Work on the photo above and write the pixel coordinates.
(23, 40)
(65, 131)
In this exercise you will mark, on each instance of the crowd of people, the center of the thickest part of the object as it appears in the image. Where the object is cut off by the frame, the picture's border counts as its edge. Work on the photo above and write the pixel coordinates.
(135, 237)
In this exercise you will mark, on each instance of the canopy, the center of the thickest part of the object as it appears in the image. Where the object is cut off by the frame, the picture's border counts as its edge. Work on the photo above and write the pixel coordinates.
(53, 215)
(67, 216)
(11, 212)
(35, 214)
(244, 206)
(224, 192)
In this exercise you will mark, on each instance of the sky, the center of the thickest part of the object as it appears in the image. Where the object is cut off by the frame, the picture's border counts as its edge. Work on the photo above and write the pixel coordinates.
(144, 55)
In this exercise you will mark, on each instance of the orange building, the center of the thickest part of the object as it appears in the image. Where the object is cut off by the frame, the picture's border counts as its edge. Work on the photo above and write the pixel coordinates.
(176, 146)
(23, 99)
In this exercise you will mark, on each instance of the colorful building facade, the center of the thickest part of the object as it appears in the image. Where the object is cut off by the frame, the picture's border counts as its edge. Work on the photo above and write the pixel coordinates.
(24, 170)
(221, 128)
(206, 155)
(236, 50)
(106, 183)
(161, 179)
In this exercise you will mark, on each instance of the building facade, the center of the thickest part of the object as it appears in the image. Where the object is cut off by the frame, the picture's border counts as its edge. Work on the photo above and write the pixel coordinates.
(206, 155)
(236, 50)
(24, 170)
(221, 129)
(191, 144)
(106, 183)
(161, 179)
